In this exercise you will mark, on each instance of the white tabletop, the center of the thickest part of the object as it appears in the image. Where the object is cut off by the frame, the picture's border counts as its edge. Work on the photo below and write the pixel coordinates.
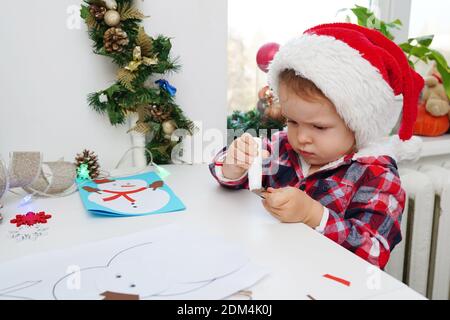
(296, 255)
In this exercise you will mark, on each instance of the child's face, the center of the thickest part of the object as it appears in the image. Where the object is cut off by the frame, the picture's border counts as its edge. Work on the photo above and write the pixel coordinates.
(315, 127)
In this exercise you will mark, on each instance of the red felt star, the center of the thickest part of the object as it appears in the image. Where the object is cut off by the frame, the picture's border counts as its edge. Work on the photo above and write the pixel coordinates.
(30, 218)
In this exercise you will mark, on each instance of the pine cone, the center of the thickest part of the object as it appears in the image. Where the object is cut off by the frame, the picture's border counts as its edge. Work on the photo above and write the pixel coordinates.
(98, 12)
(159, 114)
(89, 158)
(115, 39)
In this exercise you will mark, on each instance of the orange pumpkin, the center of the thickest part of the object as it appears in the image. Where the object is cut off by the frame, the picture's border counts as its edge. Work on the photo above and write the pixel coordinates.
(429, 125)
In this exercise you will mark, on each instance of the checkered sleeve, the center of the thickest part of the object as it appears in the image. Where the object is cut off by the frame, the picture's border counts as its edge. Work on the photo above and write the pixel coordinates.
(370, 226)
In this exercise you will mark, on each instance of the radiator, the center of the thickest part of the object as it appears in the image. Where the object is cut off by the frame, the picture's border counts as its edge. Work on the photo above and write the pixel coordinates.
(422, 259)
(439, 277)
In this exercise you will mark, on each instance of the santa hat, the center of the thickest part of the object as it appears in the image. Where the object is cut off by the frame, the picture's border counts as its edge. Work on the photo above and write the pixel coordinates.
(361, 71)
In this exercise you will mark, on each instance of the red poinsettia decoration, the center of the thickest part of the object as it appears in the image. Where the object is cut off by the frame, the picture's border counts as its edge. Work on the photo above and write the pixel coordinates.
(30, 218)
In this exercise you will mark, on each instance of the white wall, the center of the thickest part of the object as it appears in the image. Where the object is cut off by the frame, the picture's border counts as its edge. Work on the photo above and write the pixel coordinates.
(391, 10)
(48, 69)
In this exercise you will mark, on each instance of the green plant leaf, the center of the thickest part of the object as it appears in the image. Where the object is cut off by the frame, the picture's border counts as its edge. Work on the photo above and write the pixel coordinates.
(425, 40)
(439, 58)
(84, 12)
(397, 22)
(445, 78)
(420, 52)
(111, 90)
(406, 47)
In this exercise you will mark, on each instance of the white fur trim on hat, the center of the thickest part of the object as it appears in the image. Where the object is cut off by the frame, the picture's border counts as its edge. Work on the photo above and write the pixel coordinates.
(362, 98)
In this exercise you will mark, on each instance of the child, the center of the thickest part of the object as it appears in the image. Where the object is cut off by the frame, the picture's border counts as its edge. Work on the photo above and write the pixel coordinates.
(336, 169)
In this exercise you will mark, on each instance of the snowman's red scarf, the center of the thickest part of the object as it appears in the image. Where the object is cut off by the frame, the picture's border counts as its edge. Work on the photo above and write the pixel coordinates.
(118, 194)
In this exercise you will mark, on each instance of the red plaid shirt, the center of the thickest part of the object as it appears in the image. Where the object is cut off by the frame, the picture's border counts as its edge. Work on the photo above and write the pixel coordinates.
(362, 194)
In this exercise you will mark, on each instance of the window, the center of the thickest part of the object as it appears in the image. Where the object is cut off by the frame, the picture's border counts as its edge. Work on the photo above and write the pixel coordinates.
(431, 17)
(254, 23)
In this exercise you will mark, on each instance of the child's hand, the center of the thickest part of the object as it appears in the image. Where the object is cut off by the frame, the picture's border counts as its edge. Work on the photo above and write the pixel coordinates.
(240, 156)
(293, 205)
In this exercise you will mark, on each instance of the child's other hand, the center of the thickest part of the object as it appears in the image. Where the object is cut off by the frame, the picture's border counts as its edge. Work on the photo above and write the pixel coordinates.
(240, 156)
(292, 205)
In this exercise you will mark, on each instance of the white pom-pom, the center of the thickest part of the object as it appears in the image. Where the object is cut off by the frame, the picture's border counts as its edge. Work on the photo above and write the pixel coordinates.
(409, 150)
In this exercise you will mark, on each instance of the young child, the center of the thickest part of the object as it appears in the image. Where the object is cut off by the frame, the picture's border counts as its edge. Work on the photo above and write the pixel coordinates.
(336, 167)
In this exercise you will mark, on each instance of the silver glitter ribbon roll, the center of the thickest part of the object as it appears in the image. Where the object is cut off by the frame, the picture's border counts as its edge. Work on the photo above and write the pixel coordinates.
(26, 170)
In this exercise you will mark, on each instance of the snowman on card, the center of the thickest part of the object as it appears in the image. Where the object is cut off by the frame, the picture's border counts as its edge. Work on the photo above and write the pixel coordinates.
(129, 196)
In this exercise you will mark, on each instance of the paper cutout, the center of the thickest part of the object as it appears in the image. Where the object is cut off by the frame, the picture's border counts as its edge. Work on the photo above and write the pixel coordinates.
(129, 196)
(145, 266)
(342, 281)
(6, 292)
(118, 296)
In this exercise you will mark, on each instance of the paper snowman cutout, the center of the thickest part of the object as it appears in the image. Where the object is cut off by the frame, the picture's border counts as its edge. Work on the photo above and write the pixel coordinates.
(132, 274)
(132, 196)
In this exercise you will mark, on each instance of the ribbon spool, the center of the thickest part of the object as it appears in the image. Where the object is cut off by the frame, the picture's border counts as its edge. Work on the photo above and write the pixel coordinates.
(51, 179)
(27, 171)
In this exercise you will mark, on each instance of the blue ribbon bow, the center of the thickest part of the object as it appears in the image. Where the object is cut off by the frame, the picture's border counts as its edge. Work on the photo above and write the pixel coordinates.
(164, 84)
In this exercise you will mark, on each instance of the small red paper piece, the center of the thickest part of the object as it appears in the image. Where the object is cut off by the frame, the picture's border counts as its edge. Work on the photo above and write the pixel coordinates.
(108, 295)
(30, 219)
(342, 281)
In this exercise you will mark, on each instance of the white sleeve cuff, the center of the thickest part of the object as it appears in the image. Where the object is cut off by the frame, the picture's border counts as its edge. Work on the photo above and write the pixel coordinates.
(221, 177)
(219, 173)
(323, 222)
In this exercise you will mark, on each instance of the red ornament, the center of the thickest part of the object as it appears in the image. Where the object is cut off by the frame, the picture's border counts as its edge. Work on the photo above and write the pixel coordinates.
(30, 218)
(265, 55)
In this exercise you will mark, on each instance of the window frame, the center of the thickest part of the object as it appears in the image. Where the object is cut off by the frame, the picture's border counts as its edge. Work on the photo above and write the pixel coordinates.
(396, 9)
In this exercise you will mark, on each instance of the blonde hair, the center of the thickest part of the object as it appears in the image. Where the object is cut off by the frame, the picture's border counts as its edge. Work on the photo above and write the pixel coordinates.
(304, 88)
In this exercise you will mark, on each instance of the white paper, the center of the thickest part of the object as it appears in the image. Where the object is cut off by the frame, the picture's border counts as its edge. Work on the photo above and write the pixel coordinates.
(255, 170)
(164, 263)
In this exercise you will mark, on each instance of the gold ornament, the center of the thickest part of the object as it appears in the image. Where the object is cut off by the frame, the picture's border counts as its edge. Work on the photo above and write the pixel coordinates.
(112, 18)
(274, 112)
(138, 60)
(169, 127)
(110, 4)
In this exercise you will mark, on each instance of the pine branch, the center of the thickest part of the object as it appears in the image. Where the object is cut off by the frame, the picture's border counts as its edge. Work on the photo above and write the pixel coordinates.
(95, 103)
(115, 113)
(163, 46)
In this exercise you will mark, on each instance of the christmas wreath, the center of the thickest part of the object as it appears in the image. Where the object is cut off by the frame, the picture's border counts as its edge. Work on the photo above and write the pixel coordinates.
(115, 28)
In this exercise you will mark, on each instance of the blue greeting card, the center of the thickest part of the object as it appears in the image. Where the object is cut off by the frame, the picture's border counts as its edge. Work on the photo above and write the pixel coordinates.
(136, 195)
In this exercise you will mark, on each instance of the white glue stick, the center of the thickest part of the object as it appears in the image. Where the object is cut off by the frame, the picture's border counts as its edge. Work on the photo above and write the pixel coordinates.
(255, 171)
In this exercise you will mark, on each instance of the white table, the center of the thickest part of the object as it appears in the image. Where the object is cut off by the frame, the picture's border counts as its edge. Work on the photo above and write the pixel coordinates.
(296, 255)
